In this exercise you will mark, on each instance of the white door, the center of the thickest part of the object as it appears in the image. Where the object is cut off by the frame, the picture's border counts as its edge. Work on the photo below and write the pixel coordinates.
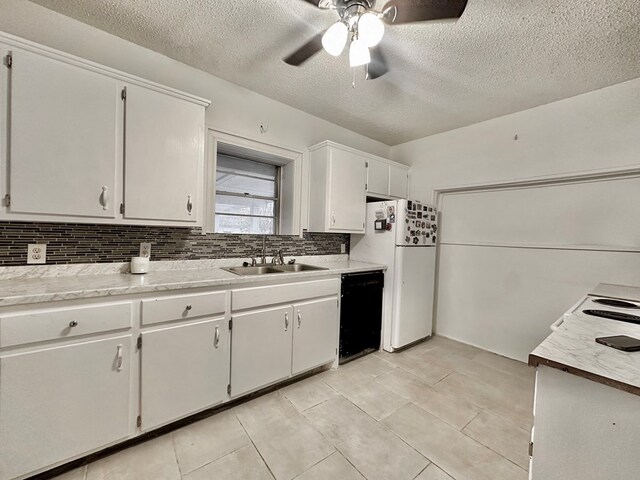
(347, 196)
(398, 181)
(60, 402)
(64, 138)
(164, 156)
(315, 333)
(185, 368)
(260, 348)
(377, 177)
(413, 295)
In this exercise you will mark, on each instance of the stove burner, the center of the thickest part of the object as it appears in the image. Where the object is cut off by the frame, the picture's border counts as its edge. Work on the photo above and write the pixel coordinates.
(621, 317)
(610, 302)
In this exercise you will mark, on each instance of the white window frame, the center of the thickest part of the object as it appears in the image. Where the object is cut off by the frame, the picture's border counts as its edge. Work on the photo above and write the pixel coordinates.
(290, 183)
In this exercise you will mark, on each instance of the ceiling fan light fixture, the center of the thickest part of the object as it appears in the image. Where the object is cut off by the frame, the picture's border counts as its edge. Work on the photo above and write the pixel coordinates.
(359, 53)
(335, 39)
(370, 29)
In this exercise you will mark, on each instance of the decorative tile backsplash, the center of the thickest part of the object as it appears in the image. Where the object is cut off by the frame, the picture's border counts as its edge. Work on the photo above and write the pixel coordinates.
(80, 243)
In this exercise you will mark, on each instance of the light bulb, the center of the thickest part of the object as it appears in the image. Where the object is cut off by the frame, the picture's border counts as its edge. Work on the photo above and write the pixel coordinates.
(335, 38)
(370, 29)
(358, 53)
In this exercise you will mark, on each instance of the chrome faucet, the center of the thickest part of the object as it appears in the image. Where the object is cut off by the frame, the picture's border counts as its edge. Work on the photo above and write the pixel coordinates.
(264, 249)
(278, 259)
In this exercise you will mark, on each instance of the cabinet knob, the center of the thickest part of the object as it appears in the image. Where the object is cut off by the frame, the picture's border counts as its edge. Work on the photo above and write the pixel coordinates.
(188, 307)
(189, 204)
(73, 323)
(104, 198)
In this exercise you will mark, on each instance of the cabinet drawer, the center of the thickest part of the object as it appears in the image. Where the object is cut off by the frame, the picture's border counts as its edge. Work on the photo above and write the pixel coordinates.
(179, 307)
(52, 324)
(274, 294)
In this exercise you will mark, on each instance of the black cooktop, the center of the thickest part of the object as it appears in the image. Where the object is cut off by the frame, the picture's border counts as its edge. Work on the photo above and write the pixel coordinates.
(612, 302)
(619, 316)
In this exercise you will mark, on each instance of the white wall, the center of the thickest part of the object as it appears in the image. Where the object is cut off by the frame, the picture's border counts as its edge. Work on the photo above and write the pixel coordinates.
(503, 297)
(234, 109)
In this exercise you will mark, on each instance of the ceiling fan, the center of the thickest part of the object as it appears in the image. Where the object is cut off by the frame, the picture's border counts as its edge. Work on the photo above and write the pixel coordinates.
(364, 26)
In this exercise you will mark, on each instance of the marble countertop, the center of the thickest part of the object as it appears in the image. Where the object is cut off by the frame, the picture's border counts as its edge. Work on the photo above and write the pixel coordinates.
(572, 347)
(21, 291)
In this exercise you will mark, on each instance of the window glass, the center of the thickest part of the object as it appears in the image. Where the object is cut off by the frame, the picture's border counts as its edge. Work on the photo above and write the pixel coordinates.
(246, 196)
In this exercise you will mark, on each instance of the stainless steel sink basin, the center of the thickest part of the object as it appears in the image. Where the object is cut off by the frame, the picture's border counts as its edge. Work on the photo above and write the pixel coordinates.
(298, 267)
(262, 270)
(268, 269)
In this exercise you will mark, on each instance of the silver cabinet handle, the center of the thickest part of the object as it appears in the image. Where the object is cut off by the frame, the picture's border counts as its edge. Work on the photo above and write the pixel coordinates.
(119, 358)
(299, 318)
(333, 218)
(216, 337)
(104, 198)
(286, 321)
(189, 204)
(73, 323)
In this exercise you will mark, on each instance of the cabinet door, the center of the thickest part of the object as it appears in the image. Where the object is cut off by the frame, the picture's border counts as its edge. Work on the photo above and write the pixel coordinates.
(164, 156)
(377, 177)
(57, 403)
(398, 181)
(315, 334)
(347, 196)
(64, 141)
(185, 368)
(260, 348)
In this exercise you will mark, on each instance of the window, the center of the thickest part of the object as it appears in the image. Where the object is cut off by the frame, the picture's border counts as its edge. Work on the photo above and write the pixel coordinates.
(247, 196)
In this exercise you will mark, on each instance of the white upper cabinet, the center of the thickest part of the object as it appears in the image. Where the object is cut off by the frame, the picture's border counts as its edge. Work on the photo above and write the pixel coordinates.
(377, 177)
(64, 138)
(386, 179)
(79, 151)
(337, 197)
(164, 156)
(398, 181)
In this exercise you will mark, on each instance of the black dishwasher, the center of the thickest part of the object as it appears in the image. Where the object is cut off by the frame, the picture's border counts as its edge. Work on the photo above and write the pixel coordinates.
(360, 314)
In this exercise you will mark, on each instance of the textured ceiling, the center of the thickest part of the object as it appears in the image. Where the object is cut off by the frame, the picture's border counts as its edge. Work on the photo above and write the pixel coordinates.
(502, 56)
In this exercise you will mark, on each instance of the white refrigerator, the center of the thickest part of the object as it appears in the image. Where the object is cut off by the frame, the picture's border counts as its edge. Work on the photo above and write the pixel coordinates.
(402, 235)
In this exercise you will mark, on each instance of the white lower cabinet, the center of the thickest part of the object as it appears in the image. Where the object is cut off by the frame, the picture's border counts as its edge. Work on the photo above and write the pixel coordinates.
(62, 401)
(315, 335)
(260, 348)
(185, 368)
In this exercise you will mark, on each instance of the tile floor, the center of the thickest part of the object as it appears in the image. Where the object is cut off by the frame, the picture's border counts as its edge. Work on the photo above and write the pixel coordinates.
(438, 411)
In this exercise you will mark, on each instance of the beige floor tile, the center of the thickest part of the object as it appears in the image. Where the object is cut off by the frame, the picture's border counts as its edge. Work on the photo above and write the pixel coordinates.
(432, 472)
(429, 371)
(154, 459)
(374, 451)
(505, 365)
(76, 474)
(308, 393)
(286, 440)
(243, 464)
(492, 398)
(367, 366)
(372, 397)
(454, 410)
(335, 467)
(501, 436)
(208, 440)
(457, 454)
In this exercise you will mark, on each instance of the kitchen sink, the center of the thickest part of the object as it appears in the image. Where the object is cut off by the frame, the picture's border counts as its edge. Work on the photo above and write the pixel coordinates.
(262, 270)
(268, 269)
(298, 267)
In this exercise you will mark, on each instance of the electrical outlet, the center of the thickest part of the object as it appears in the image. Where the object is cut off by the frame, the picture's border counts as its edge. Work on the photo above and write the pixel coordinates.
(145, 250)
(37, 253)
(343, 248)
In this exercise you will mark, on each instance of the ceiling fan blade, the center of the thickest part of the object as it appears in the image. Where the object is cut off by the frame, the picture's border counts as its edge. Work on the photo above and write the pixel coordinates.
(377, 67)
(305, 52)
(408, 11)
(324, 4)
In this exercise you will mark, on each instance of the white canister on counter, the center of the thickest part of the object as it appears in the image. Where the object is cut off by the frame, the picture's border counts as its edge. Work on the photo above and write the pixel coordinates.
(139, 265)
